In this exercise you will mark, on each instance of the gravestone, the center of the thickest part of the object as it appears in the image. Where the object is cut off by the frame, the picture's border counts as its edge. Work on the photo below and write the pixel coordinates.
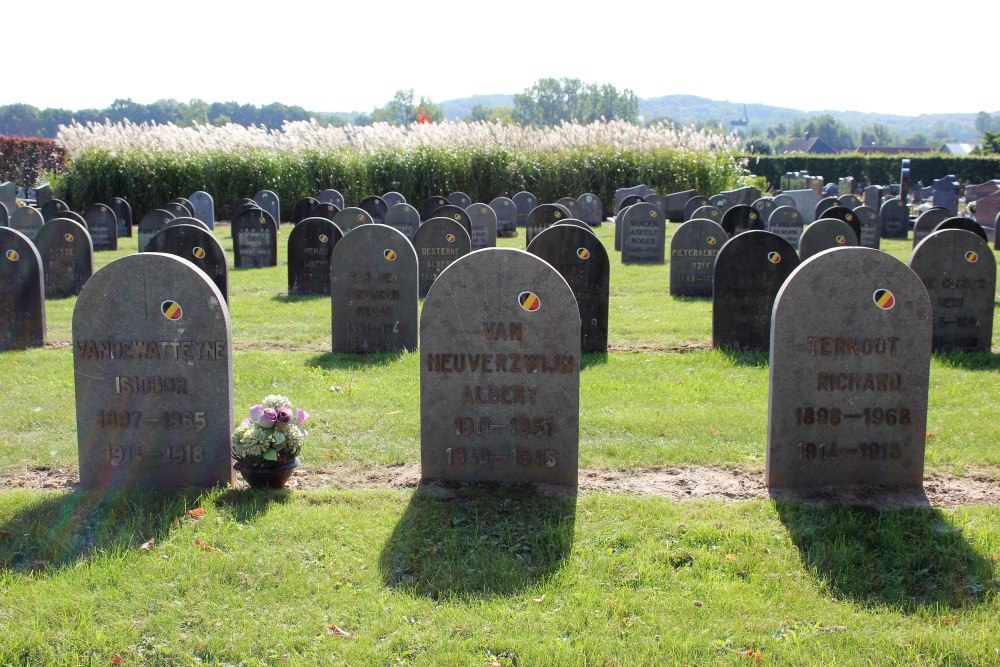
(708, 212)
(150, 224)
(621, 194)
(186, 221)
(269, 202)
(824, 234)
(873, 197)
(73, 215)
(644, 235)
(822, 205)
(566, 212)
(331, 196)
(123, 213)
(572, 208)
(438, 242)
(102, 223)
(805, 202)
(657, 201)
(455, 213)
(693, 249)
(43, 195)
(987, 209)
(22, 294)
(67, 257)
(695, 203)
(784, 200)
(675, 204)
(871, 227)
(619, 226)
(786, 222)
(204, 207)
(303, 209)
(352, 217)
(53, 208)
(740, 218)
(506, 215)
(895, 218)
(846, 215)
(542, 217)
(180, 207)
(977, 192)
(375, 207)
(8, 196)
(849, 201)
(764, 207)
(459, 199)
(960, 274)
(4, 216)
(524, 202)
(631, 200)
(255, 240)
(749, 271)
(310, 248)
(490, 412)
(927, 221)
(243, 204)
(324, 210)
(581, 259)
(720, 201)
(373, 287)
(26, 220)
(484, 226)
(392, 198)
(744, 196)
(404, 219)
(963, 223)
(430, 205)
(197, 245)
(591, 209)
(152, 353)
(849, 368)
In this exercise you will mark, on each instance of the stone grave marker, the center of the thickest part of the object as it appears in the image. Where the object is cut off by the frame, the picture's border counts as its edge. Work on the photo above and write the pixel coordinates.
(26, 220)
(392, 198)
(8, 196)
(186, 221)
(150, 224)
(963, 223)
(631, 200)
(783, 200)
(644, 235)
(67, 257)
(871, 227)
(927, 221)
(708, 212)
(845, 214)
(744, 196)
(805, 201)
(695, 203)
(945, 194)
(749, 271)
(198, 245)
(331, 196)
(849, 368)
(740, 218)
(786, 222)
(4, 216)
(352, 217)
(152, 353)
(543, 217)
(123, 213)
(824, 234)
(241, 205)
(373, 287)
(404, 219)
(430, 205)
(102, 223)
(459, 199)
(180, 207)
(484, 226)
(693, 249)
(895, 217)
(581, 259)
(619, 225)
(566, 213)
(255, 240)
(303, 209)
(591, 209)
(764, 207)
(960, 273)
(43, 195)
(73, 215)
(621, 194)
(822, 205)
(438, 242)
(675, 204)
(53, 208)
(524, 202)
(849, 201)
(720, 201)
(269, 202)
(987, 209)
(490, 412)
(572, 208)
(576, 223)
(204, 208)
(657, 201)
(873, 197)
(310, 249)
(455, 213)
(324, 210)
(375, 207)
(22, 293)
(506, 216)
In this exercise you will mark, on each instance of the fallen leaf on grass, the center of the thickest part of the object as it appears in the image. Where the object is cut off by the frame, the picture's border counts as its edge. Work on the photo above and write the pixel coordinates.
(205, 547)
(995, 557)
(541, 599)
(493, 663)
(947, 620)
(197, 512)
(117, 660)
(147, 546)
(713, 431)
(930, 435)
(334, 630)
(730, 557)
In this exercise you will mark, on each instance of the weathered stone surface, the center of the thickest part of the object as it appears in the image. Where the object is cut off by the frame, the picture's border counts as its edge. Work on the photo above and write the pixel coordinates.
(324, 210)
(67, 257)
(432, 204)
(197, 245)
(455, 213)
(927, 221)
(822, 205)
(53, 208)
(720, 201)
(572, 208)
(824, 234)
(500, 373)
(591, 209)
(873, 197)
(22, 293)
(805, 202)
(26, 220)
(506, 215)
(871, 227)
(965, 224)
(438, 242)
(375, 207)
(694, 203)
(405, 219)
(764, 207)
(152, 352)
(581, 259)
(331, 196)
(622, 194)
(644, 235)
(392, 198)
(543, 217)
(243, 204)
(152, 222)
(524, 202)
(269, 202)
(849, 201)
(204, 207)
(786, 222)
(960, 274)
(255, 240)
(749, 271)
(102, 223)
(850, 360)
(123, 213)
(484, 225)
(845, 214)
(310, 249)
(895, 217)
(373, 287)
(740, 218)
(352, 217)
(693, 249)
(303, 209)
(459, 199)
(657, 201)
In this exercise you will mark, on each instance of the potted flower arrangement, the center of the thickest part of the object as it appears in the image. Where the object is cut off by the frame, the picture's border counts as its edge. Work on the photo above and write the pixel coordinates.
(266, 445)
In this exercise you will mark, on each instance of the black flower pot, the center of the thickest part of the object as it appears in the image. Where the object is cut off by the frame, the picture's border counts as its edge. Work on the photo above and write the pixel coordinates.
(267, 477)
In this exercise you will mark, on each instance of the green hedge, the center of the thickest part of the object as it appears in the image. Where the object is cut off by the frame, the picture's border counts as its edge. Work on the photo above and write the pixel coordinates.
(148, 180)
(23, 158)
(877, 169)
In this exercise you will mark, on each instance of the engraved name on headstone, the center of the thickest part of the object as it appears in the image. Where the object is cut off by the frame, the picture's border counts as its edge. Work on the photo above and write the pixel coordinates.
(693, 249)
(102, 223)
(310, 248)
(644, 235)
(255, 240)
(438, 243)
(67, 257)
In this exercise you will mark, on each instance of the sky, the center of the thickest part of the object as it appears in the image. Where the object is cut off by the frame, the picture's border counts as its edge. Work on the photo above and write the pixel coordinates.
(846, 55)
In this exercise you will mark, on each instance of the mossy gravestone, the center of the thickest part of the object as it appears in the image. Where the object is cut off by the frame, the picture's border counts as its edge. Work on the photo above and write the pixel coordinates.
(850, 360)
(500, 372)
(152, 353)
(22, 294)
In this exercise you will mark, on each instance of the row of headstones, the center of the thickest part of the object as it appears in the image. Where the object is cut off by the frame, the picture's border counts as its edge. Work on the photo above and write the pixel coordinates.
(849, 373)
(105, 222)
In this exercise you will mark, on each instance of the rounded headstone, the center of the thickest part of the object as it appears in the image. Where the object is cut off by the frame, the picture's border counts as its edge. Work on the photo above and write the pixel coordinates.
(403, 218)
(741, 218)
(375, 206)
(643, 234)
(619, 226)
(850, 201)
(180, 207)
(656, 200)
(871, 227)
(392, 198)
(195, 243)
(459, 199)
(693, 249)
(123, 213)
(786, 222)
(303, 209)
(630, 200)
(53, 208)
(542, 217)
(784, 200)
(591, 209)
(255, 240)
(352, 217)
(4, 215)
(764, 207)
(708, 212)
(484, 225)
(270, 202)
(506, 215)
(695, 203)
(27, 220)
(241, 205)
(152, 222)
(572, 208)
(895, 218)
(331, 196)
(822, 205)
(721, 201)
(927, 221)
(102, 223)
(824, 234)
(324, 210)
(310, 247)
(456, 213)
(438, 242)
(964, 224)
(72, 215)
(845, 214)
(22, 293)
(432, 204)
(204, 208)
(524, 202)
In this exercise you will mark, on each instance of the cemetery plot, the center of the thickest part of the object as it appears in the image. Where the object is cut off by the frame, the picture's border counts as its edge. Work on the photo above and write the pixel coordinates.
(151, 223)
(506, 213)
(895, 217)
(26, 220)
(269, 201)
(591, 209)
(204, 208)
(871, 227)
(123, 213)
(102, 223)
(786, 222)
(404, 219)
(484, 226)
(352, 217)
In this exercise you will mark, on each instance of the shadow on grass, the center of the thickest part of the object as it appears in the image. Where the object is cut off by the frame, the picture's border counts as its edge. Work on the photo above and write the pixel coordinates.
(299, 298)
(751, 358)
(354, 362)
(482, 540)
(909, 558)
(245, 505)
(593, 359)
(971, 361)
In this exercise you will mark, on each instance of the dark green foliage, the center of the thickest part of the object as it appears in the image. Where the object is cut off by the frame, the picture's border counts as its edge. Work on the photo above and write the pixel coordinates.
(877, 169)
(22, 159)
(550, 101)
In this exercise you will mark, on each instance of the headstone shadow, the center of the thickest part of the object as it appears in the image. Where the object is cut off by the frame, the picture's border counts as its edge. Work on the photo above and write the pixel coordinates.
(478, 540)
(245, 505)
(337, 361)
(749, 358)
(910, 558)
(593, 359)
(972, 361)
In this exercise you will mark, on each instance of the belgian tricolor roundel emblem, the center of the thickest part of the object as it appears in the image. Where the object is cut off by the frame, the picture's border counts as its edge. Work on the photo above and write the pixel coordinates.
(583, 253)
(390, 254)
(450, 238)
(262, 220)
(171, 310)
(13, 256)
(971, 257)
(558, 215)
(841, 238)
(361, 217)
(69, 238)
(323, 238)
(711, 240)
(774, 258)
(529, 301)
(198, 252)
(884, 299)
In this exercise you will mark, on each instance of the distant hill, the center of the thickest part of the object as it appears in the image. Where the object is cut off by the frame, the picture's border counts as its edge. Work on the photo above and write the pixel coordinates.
(455, 109)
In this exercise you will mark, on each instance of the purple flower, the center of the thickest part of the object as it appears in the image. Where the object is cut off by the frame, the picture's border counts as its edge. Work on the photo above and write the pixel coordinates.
(283, 418)
(301, 416)
(266, 417)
